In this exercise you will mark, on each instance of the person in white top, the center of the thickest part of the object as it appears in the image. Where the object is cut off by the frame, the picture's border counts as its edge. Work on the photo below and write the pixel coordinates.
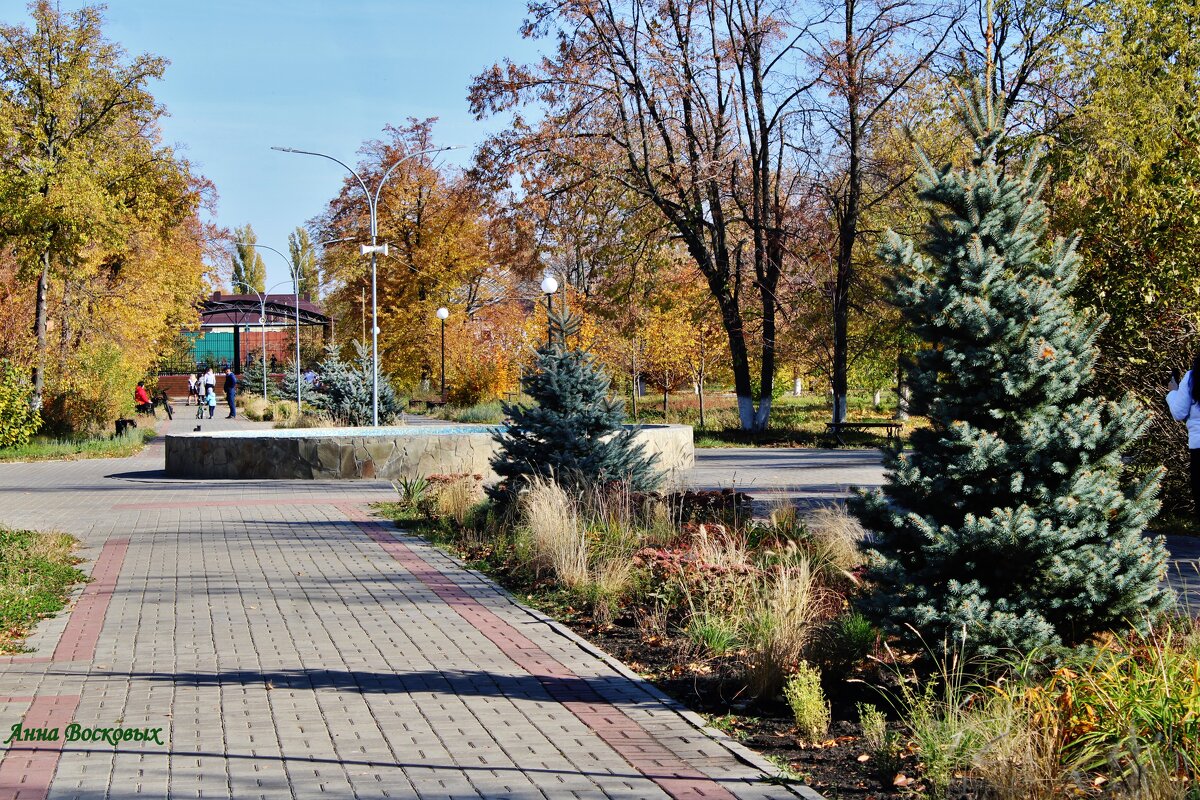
(191, 388)
(1184, 401)
(210, 381)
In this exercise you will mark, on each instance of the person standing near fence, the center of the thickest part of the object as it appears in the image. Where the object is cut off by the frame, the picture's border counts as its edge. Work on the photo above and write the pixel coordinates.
(192, 389)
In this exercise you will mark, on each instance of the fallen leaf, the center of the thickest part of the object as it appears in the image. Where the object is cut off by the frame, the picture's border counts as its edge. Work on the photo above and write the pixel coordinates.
(864, 757)
(901, 780)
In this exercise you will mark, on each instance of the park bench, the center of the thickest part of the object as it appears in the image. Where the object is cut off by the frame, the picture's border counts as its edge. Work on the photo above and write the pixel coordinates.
(835, 429)
(429, 405)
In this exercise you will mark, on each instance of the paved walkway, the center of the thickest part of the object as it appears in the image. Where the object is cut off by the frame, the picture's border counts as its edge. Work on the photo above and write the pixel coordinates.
(825, 476)
(287, 645)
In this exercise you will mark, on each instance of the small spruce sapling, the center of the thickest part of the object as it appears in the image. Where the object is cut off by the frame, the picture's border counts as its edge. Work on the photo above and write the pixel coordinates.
(574, 433)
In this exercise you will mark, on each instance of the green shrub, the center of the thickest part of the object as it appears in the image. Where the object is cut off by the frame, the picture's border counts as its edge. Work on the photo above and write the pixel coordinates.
(18, 420)
(479, 414)
(346, 389)
(807, 701)
(412, 491)
(712, 634)
(885, 747)
(846, 642)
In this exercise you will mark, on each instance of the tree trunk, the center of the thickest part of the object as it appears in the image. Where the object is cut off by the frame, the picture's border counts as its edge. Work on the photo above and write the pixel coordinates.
(666, 415)
(39, 331)
(740, 364)
(877, 400)
(701, 392)
(902, 391)
(847, 224)
(633, 389)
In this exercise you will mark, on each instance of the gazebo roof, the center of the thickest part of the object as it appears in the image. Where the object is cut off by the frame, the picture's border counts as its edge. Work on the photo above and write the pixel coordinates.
(226, 310)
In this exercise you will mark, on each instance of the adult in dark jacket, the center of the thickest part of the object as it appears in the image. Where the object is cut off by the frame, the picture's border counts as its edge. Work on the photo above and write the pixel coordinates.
(231, 383)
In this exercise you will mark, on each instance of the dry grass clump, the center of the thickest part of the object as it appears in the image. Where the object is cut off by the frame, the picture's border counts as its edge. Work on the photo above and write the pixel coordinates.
(455, 498)
(255, 408)
(781, 622)
(556, 536)
(837, 536)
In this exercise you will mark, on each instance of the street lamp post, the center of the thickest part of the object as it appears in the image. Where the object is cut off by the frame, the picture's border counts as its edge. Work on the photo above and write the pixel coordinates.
(549, 287)
(294, 269)
(373, 249)
(442, 313)
(262, 322)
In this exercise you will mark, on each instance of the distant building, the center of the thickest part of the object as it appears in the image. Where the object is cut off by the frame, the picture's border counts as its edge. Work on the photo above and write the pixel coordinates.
(233, 330)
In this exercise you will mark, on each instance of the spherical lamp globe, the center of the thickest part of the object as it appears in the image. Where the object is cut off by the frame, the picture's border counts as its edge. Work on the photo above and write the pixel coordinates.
(549, 285)
(443, 312)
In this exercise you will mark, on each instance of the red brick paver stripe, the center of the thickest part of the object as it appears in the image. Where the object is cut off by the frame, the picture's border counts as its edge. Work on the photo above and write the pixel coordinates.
(78, 641)
(622, 733)
(28, 767)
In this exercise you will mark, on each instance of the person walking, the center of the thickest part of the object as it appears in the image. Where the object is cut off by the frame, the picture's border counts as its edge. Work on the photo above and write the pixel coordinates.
(1184, 401)
(231, 383)
(192, 389)
(210, 381)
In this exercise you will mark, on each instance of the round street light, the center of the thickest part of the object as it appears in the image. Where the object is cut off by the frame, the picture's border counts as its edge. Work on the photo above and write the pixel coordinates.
(549, 286)
(442, 314)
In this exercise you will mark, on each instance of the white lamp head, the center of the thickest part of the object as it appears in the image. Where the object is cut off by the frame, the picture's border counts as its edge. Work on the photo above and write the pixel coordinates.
(549, 285)
(443, 312)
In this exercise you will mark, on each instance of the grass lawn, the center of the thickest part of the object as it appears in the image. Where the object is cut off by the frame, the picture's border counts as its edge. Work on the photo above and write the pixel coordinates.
(37, 571)
(795, 421)
(42, 448)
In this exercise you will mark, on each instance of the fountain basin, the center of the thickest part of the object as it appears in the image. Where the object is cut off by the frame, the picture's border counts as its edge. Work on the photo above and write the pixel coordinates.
(404, 451)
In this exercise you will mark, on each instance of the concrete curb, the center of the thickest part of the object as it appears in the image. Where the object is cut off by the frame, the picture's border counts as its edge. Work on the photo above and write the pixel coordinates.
(736, 748)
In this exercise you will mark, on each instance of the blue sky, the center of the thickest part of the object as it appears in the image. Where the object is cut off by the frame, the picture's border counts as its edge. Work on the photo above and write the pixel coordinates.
(322, 76)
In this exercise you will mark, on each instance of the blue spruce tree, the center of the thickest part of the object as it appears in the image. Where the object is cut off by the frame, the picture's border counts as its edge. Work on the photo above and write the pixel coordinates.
(1011, 521)
(574, 434)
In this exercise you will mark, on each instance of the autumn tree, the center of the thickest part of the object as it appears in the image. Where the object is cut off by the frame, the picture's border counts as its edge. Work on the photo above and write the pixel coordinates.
(69, 99)
(98, 217)
(1126, 172)
(304, 261)
(248, 270)
(693, 104)
(438, 244)
(874, 51)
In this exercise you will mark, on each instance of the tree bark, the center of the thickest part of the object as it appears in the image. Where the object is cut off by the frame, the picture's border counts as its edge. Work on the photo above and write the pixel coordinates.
(902, 391)
(847, 224)
(39, 331)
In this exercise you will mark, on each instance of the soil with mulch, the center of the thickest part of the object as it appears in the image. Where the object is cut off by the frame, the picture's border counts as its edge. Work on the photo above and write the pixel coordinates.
(838, 768)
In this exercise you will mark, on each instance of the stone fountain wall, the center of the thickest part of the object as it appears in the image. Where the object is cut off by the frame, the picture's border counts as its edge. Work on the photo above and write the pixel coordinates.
(371, 453)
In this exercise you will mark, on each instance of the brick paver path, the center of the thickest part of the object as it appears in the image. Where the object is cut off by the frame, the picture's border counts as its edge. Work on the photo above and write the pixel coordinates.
(290, 646)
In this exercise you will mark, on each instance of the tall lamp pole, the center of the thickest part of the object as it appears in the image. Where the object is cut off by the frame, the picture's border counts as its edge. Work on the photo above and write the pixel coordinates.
(373, 249)
(262, 322)
(442, 313)
(294, 269)
(549, 286)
